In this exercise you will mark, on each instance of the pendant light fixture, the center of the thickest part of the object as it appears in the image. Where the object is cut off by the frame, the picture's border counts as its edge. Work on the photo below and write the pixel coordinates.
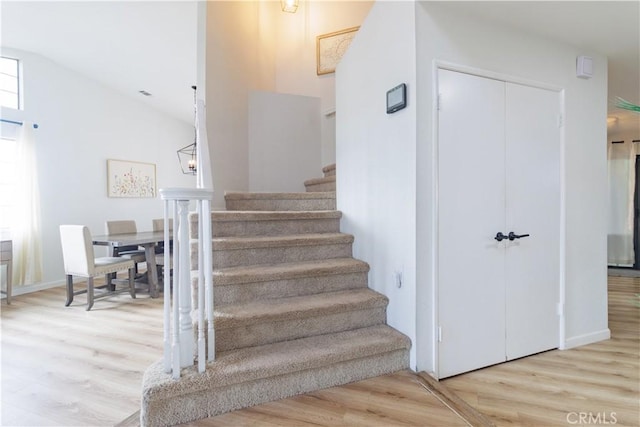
(187, 155)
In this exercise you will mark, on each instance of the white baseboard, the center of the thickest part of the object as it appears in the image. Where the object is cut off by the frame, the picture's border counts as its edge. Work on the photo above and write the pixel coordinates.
(21, 290)
(585, 339)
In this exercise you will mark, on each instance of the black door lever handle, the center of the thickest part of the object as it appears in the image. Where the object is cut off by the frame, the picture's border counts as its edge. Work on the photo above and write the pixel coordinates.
(500, 237)
(513, 236)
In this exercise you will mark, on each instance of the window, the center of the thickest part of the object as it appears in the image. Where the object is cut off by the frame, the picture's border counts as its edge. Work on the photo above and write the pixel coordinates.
(10, 83)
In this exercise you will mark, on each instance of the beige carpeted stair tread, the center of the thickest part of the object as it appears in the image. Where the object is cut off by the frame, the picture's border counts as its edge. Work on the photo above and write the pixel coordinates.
(260, 312)
(323, 180)
(303, 201)
(288, 271)
(329, 168)
(241, 195)
(293, 312)
(271, 360)
(254, 242)
(221, 216)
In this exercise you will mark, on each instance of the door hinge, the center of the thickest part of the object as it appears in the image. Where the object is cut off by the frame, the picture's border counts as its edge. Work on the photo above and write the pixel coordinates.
(560, 120)
(560, 309)
(439, 333)
(438, 101)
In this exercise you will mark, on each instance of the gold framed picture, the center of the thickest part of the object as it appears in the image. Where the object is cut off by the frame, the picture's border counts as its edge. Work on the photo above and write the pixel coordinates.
(331, 47)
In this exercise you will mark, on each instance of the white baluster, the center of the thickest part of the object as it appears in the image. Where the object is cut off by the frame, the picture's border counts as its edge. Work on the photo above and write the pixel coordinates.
(179, 325)
(176, 296)
(202, 218)
(208, 271)
(184, 286)
(167, 293)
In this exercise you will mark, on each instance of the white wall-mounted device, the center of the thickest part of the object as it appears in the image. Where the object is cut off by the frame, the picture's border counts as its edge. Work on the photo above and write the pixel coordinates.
(584, 67)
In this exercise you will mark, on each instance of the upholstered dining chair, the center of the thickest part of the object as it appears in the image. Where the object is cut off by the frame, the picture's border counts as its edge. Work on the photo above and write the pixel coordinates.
(132, 252)
(79, 260)
(158, 225)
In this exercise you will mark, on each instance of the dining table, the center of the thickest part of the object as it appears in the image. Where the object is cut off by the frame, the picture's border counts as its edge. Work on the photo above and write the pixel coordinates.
(147, 239)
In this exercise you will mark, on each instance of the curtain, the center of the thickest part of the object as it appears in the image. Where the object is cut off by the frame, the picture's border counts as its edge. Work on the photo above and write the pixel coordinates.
(622, 181)
(26, 232)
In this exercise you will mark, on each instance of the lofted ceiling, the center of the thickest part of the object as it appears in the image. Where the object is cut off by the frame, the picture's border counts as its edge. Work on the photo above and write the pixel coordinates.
(128, 46)
(151, 45)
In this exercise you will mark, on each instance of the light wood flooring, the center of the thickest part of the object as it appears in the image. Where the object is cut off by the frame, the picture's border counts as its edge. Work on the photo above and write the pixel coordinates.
(65, 366)
(599, 382)
(390, 400)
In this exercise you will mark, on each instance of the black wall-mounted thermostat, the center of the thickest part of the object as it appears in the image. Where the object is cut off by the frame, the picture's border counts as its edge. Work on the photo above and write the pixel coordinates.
(396, 98)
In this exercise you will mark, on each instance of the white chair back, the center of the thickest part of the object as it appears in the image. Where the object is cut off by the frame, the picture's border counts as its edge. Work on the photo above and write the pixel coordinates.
(158, 224)
(77, 250)
(121, 227)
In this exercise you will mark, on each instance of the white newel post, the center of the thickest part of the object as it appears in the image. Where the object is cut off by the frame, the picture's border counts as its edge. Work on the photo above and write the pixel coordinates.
(179, 341)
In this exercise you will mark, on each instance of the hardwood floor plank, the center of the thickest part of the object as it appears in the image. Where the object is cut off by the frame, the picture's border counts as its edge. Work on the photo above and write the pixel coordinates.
(553, 388)
(65, 366)
(460, 406)
(390, 400)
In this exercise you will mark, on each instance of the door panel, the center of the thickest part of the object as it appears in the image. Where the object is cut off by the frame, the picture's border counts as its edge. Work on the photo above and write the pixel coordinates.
(532, 264)
(471, 199)
(498, 171)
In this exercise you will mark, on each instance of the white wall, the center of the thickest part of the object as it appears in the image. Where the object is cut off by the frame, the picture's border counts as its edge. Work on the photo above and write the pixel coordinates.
(239, 58)
(284, 141)
(388, 201)
(253, 45)
(296, 56)
(375, 153)
(82, 124)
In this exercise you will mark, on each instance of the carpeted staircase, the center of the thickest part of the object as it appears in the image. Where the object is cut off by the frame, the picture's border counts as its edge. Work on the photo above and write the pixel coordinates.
(293, 312)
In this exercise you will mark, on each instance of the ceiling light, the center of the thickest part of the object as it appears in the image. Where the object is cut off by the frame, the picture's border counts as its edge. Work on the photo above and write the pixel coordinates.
(289, 5)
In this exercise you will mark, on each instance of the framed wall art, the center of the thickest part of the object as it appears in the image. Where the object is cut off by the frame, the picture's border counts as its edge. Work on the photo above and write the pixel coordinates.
(131, 179)
(330, 48)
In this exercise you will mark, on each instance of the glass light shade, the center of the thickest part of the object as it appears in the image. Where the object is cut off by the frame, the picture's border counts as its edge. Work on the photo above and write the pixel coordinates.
(187, 159)
(289, 5)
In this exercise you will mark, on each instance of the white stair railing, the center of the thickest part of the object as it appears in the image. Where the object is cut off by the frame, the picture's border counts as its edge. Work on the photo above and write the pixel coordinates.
(178, 326)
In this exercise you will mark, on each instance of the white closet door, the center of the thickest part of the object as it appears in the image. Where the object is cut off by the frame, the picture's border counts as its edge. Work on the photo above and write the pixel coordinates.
(533, 207)
(471, 156)
(498, 171)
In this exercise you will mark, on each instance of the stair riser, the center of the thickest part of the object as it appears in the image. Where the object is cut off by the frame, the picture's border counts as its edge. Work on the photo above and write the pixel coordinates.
(327, 186)
(274, 228)
(183, 408)
(270, 332)
(258, 291)
(281, 205)
(273, 255)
